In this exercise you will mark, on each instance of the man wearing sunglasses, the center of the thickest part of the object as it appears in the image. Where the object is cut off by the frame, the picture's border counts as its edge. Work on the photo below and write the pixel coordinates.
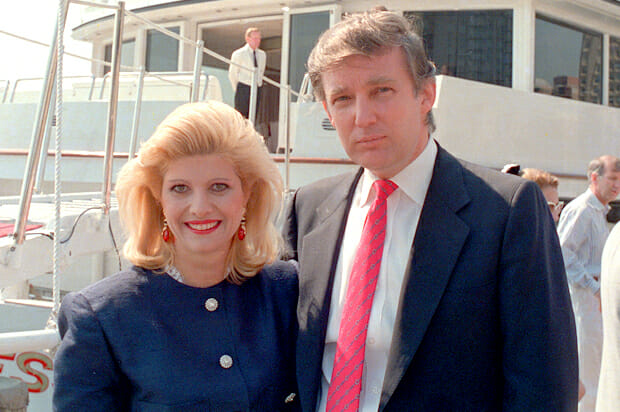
(583, 231)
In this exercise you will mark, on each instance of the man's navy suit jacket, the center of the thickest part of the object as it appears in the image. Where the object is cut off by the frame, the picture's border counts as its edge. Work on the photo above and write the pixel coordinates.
(484, 321)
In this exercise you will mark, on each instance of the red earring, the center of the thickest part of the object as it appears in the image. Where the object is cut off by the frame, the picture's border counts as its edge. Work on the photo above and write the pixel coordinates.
(165, 232)
(242, 231)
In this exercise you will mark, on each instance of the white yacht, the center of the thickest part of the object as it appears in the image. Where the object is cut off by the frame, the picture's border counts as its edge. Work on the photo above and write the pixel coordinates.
(534, 82)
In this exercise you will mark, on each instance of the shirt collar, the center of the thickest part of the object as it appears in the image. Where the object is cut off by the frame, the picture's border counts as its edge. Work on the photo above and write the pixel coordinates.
(413, 180)
(595, 203)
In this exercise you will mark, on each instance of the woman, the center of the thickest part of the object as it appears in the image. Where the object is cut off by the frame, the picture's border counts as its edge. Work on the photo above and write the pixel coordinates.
(548, 184)
(202, 322)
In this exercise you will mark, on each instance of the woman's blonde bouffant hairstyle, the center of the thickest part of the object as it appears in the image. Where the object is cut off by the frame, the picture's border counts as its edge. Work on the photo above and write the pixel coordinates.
(201, 129)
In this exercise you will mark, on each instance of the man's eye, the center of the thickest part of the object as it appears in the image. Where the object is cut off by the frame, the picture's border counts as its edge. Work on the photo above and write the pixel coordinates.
(340, 99)
(179, 188)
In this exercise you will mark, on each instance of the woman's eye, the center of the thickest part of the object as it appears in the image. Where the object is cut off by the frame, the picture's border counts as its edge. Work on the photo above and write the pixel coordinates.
(219, 187)
(179, 188)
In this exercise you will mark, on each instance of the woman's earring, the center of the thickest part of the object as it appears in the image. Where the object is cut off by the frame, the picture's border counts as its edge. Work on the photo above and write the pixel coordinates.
(165, 232)
(242, 231)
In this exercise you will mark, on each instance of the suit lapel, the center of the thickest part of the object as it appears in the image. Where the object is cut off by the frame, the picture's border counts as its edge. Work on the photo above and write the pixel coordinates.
(437, 244)
(318, 260)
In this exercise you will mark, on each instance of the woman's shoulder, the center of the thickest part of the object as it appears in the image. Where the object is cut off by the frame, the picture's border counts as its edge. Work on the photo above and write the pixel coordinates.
(279, 277)
(112, 290)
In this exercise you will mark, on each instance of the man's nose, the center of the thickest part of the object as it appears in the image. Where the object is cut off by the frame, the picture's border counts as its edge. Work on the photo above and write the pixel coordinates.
(365, 114)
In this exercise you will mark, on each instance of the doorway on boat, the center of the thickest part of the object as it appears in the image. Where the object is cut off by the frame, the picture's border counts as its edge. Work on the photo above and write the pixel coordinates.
(225, 37)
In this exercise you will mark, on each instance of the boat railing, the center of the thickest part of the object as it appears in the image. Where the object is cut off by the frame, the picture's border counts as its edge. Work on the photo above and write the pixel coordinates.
(37, 140)
(38, 146)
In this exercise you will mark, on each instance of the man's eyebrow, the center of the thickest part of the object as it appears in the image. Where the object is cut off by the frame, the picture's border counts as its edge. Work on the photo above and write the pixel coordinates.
(372, 82)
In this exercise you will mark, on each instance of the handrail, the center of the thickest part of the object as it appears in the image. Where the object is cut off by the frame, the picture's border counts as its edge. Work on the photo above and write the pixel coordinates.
(36, 149)
(157, 75)
(113, 106)
(32, 162)
(25, 79)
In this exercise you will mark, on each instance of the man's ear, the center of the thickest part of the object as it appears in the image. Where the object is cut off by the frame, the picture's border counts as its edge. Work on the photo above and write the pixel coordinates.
(329, 116)
(428, 93)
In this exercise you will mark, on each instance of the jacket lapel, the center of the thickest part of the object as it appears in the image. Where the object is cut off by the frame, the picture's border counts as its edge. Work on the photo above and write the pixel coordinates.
(318, 260)
(437, 244)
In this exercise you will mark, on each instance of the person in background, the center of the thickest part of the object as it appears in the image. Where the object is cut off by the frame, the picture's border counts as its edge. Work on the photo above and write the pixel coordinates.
(583, 231)
(548, 184)
(608, 396)
(419, 286)
(249, 56)
(205, 320)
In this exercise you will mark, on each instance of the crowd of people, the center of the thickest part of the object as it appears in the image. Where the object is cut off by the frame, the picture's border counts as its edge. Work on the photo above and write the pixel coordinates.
(420, 282)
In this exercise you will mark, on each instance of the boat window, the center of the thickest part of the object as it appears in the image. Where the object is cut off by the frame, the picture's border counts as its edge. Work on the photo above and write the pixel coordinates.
(475, 45)
(305, 31)
(614, 72)
(127, 51)
(162, 51)
(568, 61)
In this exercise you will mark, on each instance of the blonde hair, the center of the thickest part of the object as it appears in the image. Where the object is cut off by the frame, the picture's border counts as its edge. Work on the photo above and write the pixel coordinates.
(251, 30)
(371, 33)
(200, 129)
(540, 177)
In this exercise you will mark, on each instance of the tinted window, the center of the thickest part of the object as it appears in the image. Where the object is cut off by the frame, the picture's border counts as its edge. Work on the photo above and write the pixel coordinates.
(568, 61)
(127, 51)
(614, 72)
(475, 45)
(162, 51)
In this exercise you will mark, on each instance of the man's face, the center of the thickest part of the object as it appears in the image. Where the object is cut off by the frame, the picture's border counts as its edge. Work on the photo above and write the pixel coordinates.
(607, 186)
(253, 40)
(380, 119)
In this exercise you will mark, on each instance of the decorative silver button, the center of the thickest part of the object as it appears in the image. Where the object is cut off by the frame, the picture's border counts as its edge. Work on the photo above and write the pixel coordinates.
(226, 361)
(211, 304)
(290, 398)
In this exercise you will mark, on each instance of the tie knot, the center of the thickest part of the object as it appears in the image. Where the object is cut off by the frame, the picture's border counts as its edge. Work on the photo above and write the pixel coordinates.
(384, 188)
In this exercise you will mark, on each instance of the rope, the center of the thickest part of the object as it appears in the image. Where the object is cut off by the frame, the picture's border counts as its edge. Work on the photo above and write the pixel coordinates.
(57, 169)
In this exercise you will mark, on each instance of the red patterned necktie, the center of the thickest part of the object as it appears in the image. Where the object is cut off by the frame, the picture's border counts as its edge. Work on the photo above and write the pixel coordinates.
(346, 383)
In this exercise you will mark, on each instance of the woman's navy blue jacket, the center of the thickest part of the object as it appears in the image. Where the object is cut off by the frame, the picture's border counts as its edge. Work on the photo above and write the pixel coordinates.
(141, 341)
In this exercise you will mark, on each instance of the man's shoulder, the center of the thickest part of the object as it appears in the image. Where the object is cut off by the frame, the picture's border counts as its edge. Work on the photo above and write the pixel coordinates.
(327, 185)
(478, 181)
(238, 51)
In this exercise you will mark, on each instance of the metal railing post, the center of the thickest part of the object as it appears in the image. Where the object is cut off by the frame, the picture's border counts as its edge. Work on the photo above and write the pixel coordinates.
(92, 88)
(253, 94)
(136, 115)
(206, 87)
(36, 140)
(6, 90)
(113, 106)
(44, 149)
(197, 66)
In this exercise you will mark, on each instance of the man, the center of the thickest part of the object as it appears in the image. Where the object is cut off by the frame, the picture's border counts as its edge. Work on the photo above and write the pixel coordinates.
(608, 396)
(248, 56)
(471, 310)
(583, 231)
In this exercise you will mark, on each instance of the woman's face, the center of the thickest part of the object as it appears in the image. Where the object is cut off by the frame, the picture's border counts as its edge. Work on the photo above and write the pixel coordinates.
(553, 200)
(203, 201)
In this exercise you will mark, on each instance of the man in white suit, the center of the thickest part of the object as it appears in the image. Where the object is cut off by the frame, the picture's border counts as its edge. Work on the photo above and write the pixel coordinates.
(608, 398)
(250, 57)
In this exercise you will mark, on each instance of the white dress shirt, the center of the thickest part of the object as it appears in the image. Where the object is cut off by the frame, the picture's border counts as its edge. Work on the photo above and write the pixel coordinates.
(583, 231)
(608, 397)
(245, 57)
(403, 213)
